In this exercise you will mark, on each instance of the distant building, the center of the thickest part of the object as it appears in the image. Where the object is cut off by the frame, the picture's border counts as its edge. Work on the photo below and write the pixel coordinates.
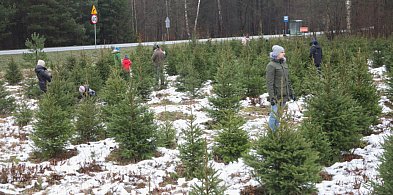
(294, 27)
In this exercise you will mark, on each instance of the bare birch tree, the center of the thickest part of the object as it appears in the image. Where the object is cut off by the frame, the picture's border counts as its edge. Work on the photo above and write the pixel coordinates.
(220, 22)
(186, 18)
(196, 18)
(348, 5)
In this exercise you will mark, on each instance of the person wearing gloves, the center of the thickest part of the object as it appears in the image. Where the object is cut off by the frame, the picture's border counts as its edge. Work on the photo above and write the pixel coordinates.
(278, 84)
(43, 75)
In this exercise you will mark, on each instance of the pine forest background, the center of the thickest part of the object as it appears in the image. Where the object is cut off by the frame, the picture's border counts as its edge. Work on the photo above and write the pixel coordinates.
(67, 22)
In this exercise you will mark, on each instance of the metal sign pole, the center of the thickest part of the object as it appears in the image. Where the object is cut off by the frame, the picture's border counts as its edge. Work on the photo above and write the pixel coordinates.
(95, 36)
(94, 20)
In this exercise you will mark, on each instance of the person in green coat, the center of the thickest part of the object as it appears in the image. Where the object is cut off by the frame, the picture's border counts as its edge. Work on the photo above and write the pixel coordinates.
(278, 84)
(116, 56)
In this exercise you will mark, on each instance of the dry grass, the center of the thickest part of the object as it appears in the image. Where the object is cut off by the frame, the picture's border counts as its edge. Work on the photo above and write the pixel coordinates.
(326, 176)
(90, 167)
(172, 116)
(253, 112)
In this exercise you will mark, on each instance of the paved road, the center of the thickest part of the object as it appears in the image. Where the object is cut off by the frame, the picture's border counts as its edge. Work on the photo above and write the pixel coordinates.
(90, 47)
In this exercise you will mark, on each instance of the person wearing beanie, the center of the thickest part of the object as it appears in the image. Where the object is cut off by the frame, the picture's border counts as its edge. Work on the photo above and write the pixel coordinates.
(43, 75)
(85, 91)
(116, 56)
(278, 84)
(316, 54)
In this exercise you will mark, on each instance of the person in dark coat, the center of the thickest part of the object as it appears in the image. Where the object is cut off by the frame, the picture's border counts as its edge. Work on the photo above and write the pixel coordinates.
(43, 75)
(278, 84)
(316, 54)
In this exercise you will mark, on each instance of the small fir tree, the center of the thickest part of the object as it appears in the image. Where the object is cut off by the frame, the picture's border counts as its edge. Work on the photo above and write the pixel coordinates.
(338, 115)
(364, 92)
(30, 87)
(192, 150)
(85, 73)
(285, 162)
(88, 125)
(389, 57)
(23, 114)
(113, 92)
(202, 62)
(389, 90)
(53, 128)
(232, 141)
(132, 125)
(36, 49)
(319, 141)
(166, 134)
(379, 47)
(143, 71)
(191, 80)
(114, 89)
(210, 183)
(63, 90)
(104, 64)
(13, 74)
(7, 102)
(253, 71)
(188, 76)
(176, 51)
(385, 169)
(227, 88)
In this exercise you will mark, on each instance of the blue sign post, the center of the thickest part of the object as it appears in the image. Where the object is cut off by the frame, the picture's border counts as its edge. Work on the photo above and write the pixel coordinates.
(285, 24)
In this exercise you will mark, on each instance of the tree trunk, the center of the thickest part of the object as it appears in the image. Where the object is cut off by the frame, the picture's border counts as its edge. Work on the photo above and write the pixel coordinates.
(186, 18)
(220, 22)
(196, 18)
(348, 4)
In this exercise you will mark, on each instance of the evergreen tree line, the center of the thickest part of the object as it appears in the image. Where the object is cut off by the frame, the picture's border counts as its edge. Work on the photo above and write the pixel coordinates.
(64, 22)
(67, 22)
(342, 103)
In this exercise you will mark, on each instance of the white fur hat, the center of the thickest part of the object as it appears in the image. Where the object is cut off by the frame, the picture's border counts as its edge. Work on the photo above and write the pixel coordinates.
(41, 62)
(81, 89)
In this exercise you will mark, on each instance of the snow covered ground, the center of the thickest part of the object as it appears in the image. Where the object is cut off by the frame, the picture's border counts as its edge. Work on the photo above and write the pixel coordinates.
(89, 173)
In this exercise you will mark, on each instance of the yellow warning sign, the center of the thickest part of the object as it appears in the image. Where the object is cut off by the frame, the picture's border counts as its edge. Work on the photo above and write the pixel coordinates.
(93, 10)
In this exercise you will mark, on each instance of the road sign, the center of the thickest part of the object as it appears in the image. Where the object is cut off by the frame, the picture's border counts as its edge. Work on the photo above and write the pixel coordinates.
(94, 19)
(93, 10)
(167, 22)
(285, 19)
(303, 29)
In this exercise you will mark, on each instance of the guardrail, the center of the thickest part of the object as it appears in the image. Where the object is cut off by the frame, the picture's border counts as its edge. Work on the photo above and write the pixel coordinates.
(92, 47)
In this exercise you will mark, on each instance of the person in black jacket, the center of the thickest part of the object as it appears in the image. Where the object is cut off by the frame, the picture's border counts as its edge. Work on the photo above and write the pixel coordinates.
(316, 54)
(43, 75)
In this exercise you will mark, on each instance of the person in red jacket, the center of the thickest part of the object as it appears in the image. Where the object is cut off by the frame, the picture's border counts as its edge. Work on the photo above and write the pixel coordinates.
(126, 65)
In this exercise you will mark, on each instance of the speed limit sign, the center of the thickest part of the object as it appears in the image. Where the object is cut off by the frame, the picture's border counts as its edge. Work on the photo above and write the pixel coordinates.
(94, 19)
